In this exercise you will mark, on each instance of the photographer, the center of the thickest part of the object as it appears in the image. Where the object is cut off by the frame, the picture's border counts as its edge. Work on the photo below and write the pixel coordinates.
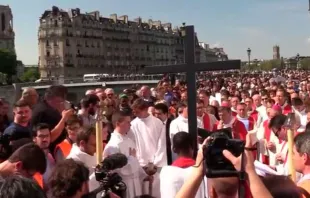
(258, 190)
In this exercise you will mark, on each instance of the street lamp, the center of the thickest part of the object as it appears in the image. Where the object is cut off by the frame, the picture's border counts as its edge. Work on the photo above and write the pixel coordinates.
(219, 56)
(298, 59)
(249, 55)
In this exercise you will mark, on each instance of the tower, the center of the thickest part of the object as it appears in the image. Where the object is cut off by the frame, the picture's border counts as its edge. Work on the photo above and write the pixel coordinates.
(276, 52)
(7, 35)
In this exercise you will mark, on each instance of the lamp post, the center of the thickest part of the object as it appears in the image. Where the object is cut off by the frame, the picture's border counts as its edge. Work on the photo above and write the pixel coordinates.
(298, 59)
(249, 56)
(219, 56)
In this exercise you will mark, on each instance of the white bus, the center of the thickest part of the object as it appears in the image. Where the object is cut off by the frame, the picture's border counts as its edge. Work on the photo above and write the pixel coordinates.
(91, 77)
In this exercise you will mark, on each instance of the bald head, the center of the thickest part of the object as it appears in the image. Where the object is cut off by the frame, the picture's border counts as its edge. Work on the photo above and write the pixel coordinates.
(257, 100)
(30, 95)
(90, 92)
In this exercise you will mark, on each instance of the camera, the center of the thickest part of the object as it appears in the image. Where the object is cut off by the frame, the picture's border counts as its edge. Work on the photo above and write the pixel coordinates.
(216, 163)
(109, 181)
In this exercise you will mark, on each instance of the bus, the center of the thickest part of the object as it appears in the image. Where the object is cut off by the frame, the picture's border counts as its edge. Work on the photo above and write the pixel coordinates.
(91, 77)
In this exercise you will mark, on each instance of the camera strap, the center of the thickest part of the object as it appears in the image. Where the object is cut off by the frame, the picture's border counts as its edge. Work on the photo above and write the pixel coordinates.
(242, 179)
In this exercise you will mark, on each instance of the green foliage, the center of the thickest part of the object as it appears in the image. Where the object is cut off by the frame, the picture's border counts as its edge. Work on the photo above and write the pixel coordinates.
(270, 64)
(305, 63)
(30, 75)
(8, 62)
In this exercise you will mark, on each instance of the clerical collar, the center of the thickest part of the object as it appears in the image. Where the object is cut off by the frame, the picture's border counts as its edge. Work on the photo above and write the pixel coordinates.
(184, 162)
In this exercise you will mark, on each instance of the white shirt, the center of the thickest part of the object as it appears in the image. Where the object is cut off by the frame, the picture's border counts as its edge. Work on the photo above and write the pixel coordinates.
(132, 174)
(90, 162)
(172, 179)
(149, 135)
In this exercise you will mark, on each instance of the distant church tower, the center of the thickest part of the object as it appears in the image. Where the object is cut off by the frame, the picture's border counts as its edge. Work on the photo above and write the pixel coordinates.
(7, 35)
(276, 52)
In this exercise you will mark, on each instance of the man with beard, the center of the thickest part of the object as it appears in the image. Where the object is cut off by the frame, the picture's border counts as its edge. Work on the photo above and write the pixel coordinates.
(42, 137)
(20, 127)
(88, 110)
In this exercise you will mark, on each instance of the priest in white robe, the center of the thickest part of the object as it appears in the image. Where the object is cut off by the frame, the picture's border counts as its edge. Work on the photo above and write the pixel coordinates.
(132, 174)
(149, 135)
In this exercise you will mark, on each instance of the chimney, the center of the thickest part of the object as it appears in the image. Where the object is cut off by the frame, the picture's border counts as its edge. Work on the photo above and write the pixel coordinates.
(124, 18)
(97, 15)
(113, 17)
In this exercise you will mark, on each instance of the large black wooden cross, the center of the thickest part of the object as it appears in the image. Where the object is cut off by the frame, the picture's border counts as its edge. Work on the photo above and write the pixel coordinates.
(190, 68)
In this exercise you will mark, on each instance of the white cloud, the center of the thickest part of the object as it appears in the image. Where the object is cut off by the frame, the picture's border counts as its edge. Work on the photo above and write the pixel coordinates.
(308, 40)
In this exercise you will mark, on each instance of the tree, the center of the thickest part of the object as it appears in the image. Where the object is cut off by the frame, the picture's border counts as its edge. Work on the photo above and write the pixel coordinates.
(305, 63)
(30, 75)
(270, 64)
(8, 64)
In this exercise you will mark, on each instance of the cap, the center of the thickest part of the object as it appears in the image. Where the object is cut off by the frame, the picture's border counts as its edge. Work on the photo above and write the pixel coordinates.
(123, 96)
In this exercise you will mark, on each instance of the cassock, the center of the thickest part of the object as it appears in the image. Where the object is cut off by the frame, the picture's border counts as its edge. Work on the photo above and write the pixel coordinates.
(238, 129)
(180, 124)
(173, 177)
(265, 135)
(132, 174)
(208, 121)
(90, 162)
(248, 122)
(149, 135)
(286, 109)
(233, 112)
(168, 141)
(283, 167)
(253, 114)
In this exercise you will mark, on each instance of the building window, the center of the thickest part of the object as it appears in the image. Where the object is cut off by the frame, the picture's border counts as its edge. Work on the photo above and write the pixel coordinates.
(48, 53)
(147, 48)
(67, 42)
(56, 23)
(47, 43)
(2, 22)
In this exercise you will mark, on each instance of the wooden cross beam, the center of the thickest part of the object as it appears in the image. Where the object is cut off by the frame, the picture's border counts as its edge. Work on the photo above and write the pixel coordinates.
(190, 68)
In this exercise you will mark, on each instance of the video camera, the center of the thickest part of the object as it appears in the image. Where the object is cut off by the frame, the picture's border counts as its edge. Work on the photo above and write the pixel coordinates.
(109, 181)
(216, 164)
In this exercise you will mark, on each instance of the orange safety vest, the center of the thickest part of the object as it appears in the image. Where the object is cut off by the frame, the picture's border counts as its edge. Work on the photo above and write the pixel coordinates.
(65, 148)
(39, 179)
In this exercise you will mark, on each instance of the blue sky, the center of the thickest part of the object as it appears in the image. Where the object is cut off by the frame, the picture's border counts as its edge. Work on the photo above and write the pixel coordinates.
(232, 24)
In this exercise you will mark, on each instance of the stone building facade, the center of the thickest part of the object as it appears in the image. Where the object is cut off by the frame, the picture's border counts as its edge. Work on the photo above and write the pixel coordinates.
(7, 35)
(72, 44)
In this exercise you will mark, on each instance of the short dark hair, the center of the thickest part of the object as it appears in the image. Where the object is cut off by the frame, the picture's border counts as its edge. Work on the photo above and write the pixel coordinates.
(118, 116)
(162, 107)
(67, 178)
(56, 91)
(302, 143)
(21, 103)
(89, 100)
(277, 122)
(140, 104)
(18, 186)
(74, 119)
(287, 189)
(85, 134)
(40, 126)
(297, 102)
(182, 142)
(31, 156)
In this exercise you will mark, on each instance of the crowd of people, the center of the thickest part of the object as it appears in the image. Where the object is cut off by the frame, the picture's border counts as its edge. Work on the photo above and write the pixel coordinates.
(48, 147)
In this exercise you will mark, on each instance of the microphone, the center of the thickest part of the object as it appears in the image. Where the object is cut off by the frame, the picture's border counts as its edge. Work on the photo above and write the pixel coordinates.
(115, 161)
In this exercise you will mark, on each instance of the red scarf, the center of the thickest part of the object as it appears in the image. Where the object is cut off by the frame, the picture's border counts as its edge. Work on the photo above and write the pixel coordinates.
(206, 122)
(184, 162)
